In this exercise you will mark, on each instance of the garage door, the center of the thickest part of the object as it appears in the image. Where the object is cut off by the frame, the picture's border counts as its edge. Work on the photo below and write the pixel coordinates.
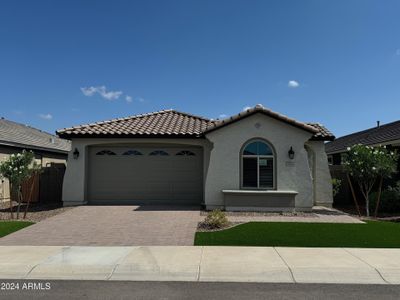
(145, 175)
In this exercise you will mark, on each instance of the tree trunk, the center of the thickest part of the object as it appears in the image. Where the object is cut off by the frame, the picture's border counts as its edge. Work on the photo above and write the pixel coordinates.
(367, 204)
(378, 200)
(11, 209)
(12, 193)
(19, 201)
(29, 199)
(354, 195)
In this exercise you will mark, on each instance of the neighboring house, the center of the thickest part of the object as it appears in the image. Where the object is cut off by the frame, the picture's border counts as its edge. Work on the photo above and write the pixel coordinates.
(385, 135)
(255, 160)
(15, 137)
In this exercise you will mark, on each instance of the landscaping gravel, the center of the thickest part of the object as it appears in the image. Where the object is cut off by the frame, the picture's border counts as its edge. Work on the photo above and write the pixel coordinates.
(36, 213)
(263, 214)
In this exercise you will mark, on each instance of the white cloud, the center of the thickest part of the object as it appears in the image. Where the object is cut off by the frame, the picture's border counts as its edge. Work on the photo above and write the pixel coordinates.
(46, 116)
(128, 99)
(102, 91)
(246, 108)
(140, 99)
(222, 116)
(293, 84)
(88, 91)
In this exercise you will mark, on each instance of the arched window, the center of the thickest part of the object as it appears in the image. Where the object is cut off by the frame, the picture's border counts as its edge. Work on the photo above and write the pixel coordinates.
(105, 152)
(186, 153)
(132, 152)
(258, 165)
(159, 152)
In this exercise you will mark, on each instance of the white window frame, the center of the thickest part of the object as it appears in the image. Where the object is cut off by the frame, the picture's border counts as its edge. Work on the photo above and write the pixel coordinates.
(242, 156)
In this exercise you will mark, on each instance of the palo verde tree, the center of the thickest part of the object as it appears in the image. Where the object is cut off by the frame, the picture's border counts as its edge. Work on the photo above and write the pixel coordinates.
(367, 164)
(17, 168)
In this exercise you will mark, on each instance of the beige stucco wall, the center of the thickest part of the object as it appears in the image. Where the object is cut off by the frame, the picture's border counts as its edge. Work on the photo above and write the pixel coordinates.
(4, 184)
(322, 178)
(75, 185)
(224, 167)
(221, 159)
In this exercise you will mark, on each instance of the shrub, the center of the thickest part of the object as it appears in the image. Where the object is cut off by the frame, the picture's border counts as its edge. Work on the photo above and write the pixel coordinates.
(216, 219)
(390, 200)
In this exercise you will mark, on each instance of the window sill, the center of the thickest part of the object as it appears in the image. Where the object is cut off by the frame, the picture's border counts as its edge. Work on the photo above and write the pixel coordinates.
(259, 192)
(255, 200)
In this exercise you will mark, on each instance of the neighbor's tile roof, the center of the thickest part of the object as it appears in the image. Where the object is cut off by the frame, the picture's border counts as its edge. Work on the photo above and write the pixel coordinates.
(175, 123)
(23, 136)
(373, 136)
(165, 122)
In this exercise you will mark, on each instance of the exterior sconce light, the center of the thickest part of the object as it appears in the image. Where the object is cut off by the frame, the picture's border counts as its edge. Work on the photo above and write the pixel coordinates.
(75, 153)
(291, 153)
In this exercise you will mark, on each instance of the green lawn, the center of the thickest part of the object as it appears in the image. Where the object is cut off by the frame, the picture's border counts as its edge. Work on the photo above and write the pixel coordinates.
(8, 227)
(373, 234)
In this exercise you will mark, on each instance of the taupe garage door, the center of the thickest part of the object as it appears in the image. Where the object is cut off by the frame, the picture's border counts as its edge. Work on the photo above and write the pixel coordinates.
(145, 175)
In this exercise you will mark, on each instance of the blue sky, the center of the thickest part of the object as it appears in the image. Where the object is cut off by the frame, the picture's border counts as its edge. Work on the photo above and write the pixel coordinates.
(64, 63)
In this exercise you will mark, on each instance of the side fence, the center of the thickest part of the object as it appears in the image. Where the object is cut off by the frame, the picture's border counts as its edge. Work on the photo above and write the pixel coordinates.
(45, 187)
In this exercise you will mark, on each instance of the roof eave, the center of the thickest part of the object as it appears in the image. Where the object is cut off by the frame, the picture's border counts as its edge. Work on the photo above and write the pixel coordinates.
(134, 136)
(250, 113)
(18, 145)
(325, 138)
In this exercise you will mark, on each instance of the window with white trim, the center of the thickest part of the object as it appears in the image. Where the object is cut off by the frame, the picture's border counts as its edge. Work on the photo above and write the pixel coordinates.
(258, 170)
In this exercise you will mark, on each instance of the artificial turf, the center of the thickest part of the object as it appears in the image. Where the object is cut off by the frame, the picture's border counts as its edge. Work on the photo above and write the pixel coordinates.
(7, 227)
(373, 234)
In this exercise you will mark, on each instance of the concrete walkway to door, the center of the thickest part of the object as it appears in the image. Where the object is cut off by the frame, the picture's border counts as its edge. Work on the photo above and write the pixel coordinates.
(112, 226)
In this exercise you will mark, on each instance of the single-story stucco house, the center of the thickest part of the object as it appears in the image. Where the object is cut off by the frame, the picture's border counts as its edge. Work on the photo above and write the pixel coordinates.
(255, 160)
(15, 137)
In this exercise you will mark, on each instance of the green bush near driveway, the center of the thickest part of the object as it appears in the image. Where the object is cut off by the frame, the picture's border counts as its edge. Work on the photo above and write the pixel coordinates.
(215, 219)
(373, 234)
(7, 227)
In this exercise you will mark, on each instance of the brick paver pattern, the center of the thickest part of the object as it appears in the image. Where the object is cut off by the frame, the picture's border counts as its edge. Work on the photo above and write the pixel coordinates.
(112, 226)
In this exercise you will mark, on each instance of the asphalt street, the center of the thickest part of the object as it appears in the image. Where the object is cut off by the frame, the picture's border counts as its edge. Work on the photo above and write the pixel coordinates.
(62, 289)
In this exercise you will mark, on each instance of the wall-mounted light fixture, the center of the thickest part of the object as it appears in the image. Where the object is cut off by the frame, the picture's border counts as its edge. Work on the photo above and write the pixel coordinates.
(75, 153)
(291, 153)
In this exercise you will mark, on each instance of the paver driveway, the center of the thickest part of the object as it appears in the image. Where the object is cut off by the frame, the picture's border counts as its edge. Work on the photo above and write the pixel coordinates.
(112, 226)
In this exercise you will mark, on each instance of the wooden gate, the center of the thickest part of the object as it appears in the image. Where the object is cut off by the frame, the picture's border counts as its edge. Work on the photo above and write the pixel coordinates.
(44, 187)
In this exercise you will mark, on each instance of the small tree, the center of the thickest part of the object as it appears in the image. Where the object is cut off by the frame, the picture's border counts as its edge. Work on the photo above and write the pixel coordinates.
(367, 164)
(17, 168)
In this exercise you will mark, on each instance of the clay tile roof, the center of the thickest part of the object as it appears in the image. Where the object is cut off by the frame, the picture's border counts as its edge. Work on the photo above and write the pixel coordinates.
(374, 136)
(323, 133)
(160, 123)
(175, 123)
(260, 109)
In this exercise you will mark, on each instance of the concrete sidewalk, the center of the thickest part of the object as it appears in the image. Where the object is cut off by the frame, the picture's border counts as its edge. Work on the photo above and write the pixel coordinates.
(189, 263)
